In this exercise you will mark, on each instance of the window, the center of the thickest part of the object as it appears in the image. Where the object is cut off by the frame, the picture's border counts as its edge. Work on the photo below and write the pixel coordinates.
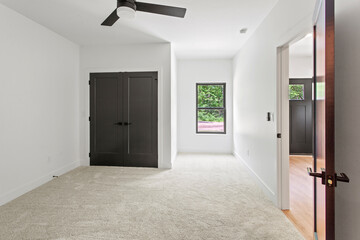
(296, 92)
(210, 108)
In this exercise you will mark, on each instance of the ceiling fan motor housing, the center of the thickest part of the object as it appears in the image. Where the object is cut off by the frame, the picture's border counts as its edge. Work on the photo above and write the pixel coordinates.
(126, 3)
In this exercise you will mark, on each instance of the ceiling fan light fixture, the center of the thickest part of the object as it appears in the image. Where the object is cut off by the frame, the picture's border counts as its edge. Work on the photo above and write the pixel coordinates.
(125, 12)
(126, 9)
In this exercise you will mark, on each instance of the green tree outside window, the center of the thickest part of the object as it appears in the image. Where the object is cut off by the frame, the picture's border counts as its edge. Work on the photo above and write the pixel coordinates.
(211, 96)
(296, 92)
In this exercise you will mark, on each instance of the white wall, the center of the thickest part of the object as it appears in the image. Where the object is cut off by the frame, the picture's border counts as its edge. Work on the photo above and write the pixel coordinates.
(38, 105)
(174, 106)
(301, 67)
(191, 72)
(145, 57)
(347, 107)
(255, 81)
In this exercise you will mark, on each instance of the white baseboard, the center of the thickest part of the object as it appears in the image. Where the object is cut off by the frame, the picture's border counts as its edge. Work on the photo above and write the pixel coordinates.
(266, 189)
(9, 196)
(204, 153)
(85, 162)
(165, 165)
(173, 158)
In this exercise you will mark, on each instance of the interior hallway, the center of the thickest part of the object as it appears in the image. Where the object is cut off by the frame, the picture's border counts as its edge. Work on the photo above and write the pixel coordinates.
(203, 197)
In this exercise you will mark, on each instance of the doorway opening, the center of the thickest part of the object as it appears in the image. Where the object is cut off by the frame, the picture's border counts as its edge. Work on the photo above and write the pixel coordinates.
(300, 97)
(295, 123)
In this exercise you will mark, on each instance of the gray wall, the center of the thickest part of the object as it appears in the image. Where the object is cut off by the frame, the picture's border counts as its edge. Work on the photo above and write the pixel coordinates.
(348, 117)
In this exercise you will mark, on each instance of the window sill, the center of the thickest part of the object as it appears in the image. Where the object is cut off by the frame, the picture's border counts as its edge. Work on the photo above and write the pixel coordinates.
(211, 134)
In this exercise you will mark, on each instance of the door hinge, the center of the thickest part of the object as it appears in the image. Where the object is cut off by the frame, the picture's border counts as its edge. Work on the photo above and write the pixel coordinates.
(89, 82)
(89, 119)
(279, 135)
(89, 154)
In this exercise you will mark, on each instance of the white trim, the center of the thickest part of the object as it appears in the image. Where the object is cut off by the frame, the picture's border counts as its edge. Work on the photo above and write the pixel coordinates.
(9, 196)
(174, 157)
(160, 72)
(297, 32)
(283, 120)
(267, 190)
(317, 10)
(283, 186)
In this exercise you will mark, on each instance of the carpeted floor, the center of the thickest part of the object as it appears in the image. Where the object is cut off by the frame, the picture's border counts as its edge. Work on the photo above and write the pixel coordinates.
(205, 197)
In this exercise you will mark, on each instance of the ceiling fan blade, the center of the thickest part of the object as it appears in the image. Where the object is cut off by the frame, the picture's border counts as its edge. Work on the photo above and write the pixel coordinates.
(111, 19)
(161, 9)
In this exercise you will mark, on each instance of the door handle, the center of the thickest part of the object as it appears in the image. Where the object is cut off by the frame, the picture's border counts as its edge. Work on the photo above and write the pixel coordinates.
(127, 124)
(317, 175)
(343, 178)
(331, 180)
(119, 124)
(312, 174)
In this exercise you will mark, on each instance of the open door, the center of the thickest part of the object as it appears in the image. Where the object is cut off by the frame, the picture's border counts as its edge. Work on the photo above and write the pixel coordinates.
(324, 118)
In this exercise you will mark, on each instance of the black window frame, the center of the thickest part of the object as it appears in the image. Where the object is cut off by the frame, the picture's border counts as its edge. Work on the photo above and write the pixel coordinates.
(209, 108)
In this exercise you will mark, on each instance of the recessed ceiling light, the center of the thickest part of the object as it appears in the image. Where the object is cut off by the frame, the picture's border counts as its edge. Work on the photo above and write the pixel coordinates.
(243, 31)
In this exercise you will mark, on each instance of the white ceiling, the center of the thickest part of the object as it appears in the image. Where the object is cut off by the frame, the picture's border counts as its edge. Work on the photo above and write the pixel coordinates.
(302, 48)
(210, 28)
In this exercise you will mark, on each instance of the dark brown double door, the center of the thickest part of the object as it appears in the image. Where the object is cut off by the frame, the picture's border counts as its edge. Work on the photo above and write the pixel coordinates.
(123, 119)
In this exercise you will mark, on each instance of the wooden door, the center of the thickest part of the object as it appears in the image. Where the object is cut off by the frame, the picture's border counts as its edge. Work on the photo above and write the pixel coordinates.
(106, 131)
(324, 138)
(301, 116)
(123, 119)
(324, 157)
(141, 119)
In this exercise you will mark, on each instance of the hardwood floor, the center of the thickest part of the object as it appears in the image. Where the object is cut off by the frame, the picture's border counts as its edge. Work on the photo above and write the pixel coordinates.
(301, 196)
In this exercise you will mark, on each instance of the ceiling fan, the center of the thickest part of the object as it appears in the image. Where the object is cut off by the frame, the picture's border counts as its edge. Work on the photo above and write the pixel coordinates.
(127, 9)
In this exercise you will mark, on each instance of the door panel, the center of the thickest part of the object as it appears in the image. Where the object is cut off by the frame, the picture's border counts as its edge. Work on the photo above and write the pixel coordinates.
(107, 115)
(105, 133)
(298, 115)
(140, 105)
(301, 119)
(324, 123)
(141, 114)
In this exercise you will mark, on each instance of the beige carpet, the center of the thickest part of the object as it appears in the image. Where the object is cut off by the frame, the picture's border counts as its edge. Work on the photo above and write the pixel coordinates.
(203, 197)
